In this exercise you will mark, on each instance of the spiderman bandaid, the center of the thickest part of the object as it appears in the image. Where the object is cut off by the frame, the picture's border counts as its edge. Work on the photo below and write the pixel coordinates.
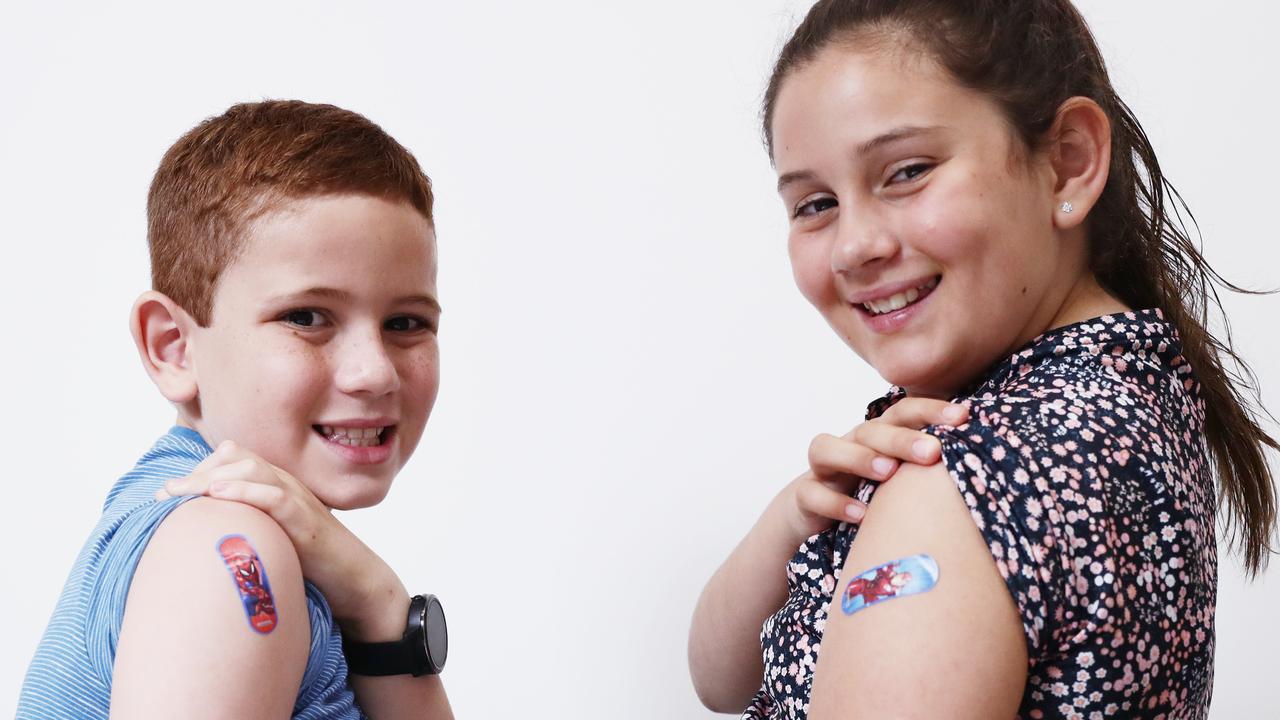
(251, 581)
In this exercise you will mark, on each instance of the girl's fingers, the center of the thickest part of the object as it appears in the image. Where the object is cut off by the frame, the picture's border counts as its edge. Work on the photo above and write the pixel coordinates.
(898, 442)
(919, 412)
(818, 499)
(830, 455)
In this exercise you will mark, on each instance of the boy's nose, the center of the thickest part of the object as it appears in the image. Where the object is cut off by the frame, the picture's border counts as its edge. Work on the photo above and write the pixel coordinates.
(364, 367)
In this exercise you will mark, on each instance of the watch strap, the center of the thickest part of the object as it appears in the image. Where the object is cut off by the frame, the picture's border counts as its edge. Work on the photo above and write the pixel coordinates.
(384, 658)
(406, 656)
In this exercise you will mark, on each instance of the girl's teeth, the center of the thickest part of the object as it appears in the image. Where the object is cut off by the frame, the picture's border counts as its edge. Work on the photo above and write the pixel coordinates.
(898, 301)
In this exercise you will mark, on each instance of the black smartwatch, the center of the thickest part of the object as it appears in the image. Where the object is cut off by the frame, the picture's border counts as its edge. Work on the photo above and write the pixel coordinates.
(421, 651)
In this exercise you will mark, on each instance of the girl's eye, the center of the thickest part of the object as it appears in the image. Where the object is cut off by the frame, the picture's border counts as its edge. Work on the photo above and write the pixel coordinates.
(304, 318)
(408, 324)
(910, 172)
(815, 206)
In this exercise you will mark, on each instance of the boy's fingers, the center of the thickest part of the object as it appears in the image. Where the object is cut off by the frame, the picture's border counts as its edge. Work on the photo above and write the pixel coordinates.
(226, 452)
(193, 484)
(213, 459)
(818, 499)
(198, 482)
(270, 499)
(829, 455)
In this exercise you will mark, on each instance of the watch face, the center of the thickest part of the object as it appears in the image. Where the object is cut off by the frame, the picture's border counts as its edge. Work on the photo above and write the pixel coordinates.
(437, 635)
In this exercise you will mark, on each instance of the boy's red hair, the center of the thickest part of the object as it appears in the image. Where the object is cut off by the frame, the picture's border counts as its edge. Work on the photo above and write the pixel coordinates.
(232, 168)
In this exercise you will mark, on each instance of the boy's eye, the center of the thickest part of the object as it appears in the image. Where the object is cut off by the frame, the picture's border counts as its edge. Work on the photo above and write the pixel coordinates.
(304, 318)
(815, 206)
(910, 172)
(408, 324)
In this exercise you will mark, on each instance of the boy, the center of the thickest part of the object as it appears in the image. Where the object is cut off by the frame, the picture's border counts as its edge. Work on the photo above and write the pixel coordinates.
(293, 326)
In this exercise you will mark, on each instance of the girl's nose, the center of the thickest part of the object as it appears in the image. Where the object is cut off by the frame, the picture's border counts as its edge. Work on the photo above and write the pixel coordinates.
(860, 241)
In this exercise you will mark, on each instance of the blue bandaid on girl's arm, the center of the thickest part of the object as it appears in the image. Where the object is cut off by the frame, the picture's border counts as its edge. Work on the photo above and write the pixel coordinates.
(905, 576)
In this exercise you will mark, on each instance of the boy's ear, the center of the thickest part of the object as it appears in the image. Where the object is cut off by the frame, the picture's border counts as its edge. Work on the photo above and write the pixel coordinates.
(162, 333)
(1080, 152)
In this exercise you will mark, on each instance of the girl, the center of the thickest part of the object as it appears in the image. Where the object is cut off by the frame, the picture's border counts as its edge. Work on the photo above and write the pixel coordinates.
(980, 217)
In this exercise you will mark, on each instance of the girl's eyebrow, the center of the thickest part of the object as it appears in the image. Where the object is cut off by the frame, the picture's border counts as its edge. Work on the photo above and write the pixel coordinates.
(786, 179)
(897, 134)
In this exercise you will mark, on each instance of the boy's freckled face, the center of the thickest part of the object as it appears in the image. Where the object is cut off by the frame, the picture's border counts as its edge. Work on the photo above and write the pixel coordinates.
(321, 355)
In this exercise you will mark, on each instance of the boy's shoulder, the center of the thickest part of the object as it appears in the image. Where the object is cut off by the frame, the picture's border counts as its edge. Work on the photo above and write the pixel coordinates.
(216, 598)
(216, 544)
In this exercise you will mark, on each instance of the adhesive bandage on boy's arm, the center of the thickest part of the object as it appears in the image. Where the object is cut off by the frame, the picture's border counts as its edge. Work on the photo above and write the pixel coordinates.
(921, 623)
(250, 577)
(205, 632)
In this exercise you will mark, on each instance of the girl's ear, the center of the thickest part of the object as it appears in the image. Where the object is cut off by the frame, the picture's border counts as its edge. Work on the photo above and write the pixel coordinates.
(1080, 155)
(162, 333)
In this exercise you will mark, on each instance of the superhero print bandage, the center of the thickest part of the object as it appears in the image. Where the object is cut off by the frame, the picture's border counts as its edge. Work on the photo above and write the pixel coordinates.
(246, 570)
(906, 576)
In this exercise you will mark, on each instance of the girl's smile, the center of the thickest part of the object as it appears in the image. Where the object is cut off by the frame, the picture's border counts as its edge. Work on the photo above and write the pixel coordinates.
(921, 229)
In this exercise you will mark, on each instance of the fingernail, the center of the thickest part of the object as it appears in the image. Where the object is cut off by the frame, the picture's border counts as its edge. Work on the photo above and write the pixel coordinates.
(882, 465)
(955, 413)
(855, 512)
(922, 448)
(216, 488)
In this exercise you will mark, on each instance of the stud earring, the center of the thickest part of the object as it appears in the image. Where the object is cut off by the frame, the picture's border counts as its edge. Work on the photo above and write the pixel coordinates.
(1067, 207)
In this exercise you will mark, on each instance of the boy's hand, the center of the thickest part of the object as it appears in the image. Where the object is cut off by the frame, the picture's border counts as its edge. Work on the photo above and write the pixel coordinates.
(363, 592)
(871, 450)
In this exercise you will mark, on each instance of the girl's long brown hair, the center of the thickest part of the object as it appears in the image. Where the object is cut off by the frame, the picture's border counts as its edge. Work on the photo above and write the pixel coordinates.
(1030, 56)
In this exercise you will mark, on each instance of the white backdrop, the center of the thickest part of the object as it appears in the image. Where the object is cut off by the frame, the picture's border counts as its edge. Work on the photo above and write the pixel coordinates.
(629, 374)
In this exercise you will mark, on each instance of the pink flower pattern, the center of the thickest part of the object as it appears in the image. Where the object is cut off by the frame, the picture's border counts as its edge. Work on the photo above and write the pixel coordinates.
(1084, 466)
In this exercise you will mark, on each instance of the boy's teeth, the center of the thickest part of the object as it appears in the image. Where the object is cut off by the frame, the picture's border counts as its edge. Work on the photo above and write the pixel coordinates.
(357, 437)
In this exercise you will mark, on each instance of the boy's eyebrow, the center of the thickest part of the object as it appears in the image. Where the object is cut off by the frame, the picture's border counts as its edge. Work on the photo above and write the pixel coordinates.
(427, 300)
(343, 295)
(899, 133)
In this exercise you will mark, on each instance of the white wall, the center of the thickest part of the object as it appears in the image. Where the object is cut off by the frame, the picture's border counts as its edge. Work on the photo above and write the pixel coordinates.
(629, 373)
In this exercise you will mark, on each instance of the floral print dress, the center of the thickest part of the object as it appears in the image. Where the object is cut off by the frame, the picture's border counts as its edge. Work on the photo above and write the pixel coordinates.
(1085, 468)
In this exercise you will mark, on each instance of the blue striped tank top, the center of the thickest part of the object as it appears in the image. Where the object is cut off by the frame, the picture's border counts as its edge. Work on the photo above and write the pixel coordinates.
(70, 675)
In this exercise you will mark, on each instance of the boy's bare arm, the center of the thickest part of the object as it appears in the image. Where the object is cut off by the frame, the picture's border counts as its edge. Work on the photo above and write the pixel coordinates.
(367, 598)
(216, 622)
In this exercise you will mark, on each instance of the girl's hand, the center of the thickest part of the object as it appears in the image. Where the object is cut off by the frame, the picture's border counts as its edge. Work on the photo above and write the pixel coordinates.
(872, 450)
(360, 587)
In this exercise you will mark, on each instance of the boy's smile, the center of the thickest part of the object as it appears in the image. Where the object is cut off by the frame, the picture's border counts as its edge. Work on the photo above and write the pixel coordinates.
(321, 352)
